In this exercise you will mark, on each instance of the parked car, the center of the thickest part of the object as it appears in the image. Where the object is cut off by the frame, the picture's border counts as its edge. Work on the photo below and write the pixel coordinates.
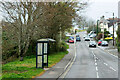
(71, 41)
(104, 43)
(93, 35)
(77, 35)
(78, 39)
(89, 34)
(99, 42)
(87, 38)
(67, 40)
(83, 36)
(92, 44)
(71, 37)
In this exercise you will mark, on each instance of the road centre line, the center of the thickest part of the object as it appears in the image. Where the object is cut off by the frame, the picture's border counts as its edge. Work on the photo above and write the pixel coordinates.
(97, 75)
(96, 64)
(96, 68)
(104, 63)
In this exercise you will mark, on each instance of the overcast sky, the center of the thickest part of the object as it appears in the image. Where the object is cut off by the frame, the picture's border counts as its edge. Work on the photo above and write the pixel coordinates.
(97, 8)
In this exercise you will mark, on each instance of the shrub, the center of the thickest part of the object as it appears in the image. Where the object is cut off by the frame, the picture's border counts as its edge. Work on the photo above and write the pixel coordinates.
(64, 46)
(99, 36)
(95, 29)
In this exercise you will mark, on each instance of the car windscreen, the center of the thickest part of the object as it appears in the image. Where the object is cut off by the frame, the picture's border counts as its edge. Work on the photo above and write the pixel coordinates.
(93, 42)
(104, 42)
(77, 37)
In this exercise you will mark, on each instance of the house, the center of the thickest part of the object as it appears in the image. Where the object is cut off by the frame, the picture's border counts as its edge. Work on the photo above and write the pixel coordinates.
(103, 24)
(108, 25)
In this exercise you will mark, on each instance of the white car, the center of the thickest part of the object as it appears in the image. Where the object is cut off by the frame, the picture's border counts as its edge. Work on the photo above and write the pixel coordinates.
(104, 43)
(93, 35)
(87, 38)
(92, 44)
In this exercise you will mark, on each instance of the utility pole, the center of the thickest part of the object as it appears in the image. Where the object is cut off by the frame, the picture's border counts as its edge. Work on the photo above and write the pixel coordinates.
(103, 31)
(103, 20)
(97, 27)
(113, 28)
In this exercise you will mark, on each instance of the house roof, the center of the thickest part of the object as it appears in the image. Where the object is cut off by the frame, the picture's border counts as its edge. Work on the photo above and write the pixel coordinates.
(111, 21)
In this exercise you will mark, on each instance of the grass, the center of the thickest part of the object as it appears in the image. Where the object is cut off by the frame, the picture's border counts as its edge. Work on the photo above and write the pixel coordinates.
(81, 30)
(27, 68)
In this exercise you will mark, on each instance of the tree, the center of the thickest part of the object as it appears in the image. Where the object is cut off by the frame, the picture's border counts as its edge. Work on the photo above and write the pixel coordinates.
(27, 21)
(95, 29)
(118, 38)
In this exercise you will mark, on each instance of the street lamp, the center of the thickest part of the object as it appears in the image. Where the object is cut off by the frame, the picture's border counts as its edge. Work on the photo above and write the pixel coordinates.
(113, 29)
(97, 27)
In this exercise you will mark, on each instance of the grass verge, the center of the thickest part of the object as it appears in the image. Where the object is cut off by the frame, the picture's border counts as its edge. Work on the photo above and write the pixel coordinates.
(27, 68)
(81, 30)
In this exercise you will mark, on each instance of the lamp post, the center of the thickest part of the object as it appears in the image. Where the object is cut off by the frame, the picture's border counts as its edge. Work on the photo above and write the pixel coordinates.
(113, 28)
(97, 27)
(103, 31)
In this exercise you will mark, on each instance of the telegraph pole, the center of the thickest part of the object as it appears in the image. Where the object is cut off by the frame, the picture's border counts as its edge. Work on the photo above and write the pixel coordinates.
(113, 29)
(97, 27)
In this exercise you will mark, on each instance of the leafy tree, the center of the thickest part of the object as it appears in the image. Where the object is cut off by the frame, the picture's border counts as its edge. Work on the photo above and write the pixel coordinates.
(118, 38)
(25, 22)
(99, 36)
(93, 28)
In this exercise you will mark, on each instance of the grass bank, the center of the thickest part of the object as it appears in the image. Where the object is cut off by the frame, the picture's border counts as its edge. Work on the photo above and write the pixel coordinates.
(81, 30)
(27, 68)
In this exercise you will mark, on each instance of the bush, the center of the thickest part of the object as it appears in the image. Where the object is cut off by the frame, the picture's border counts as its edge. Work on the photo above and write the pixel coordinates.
(64, 46)
(31, 48)
(118, 49)
(95, 29)
(99, 36)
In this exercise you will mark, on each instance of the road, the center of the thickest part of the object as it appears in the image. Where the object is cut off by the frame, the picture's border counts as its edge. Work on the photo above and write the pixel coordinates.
(92, 62)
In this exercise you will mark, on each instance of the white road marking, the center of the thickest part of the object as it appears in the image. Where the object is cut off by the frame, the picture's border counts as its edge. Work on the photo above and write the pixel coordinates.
(69, 67)
(106, 64)
(112, 68)
(97, 75)
(96, 68)
(95, 58)
(96, 64)
(113, 55)
(108, 52)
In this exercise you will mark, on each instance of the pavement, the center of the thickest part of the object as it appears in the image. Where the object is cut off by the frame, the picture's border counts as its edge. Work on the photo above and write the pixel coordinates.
(57, 70)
